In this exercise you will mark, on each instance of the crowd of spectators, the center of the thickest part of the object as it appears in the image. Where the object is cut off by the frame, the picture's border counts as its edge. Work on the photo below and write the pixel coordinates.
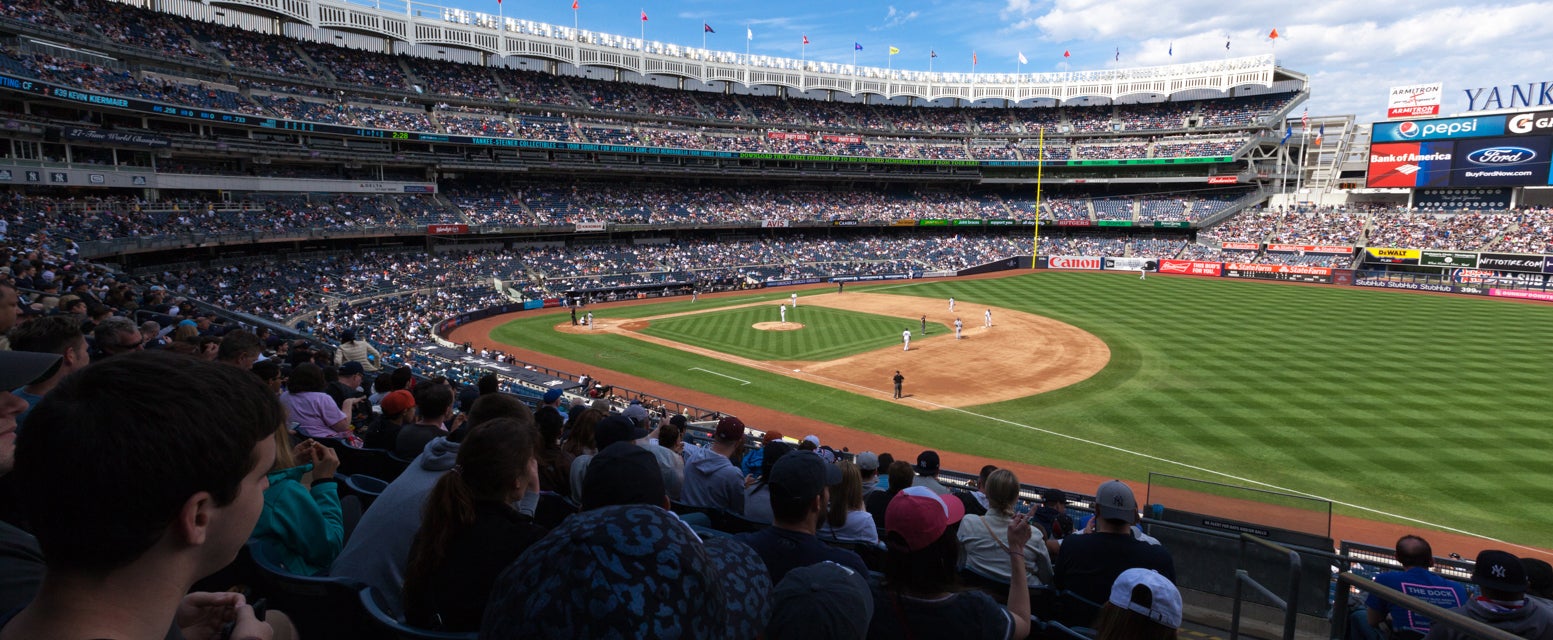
(1464, 230)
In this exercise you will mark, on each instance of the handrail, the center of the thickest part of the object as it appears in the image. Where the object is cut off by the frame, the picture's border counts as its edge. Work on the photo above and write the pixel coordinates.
(1242, 577)
(1437, 615)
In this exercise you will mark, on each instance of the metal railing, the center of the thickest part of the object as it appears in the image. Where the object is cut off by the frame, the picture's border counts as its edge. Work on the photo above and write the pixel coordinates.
(1243, 579)
(1436, 614)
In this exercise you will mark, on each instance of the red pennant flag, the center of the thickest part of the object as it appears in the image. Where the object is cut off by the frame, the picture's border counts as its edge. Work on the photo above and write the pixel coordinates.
(806, 39)
(1065, 54)
(974, 61)
(644, 16)
(574, 4)
(1273, 35)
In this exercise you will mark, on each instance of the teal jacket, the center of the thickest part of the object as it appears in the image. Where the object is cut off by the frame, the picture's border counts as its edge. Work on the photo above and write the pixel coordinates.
(302, 529)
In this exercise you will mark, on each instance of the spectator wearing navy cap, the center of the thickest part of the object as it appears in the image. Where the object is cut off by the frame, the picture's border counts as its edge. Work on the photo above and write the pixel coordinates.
(1089, 563)
(612, 429)
(800, 492)
(711, 480)
(927, 473)
(825, 601)
(1504, 604)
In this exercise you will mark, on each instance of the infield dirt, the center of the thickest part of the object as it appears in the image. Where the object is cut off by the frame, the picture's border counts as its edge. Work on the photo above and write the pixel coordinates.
(1020, 355)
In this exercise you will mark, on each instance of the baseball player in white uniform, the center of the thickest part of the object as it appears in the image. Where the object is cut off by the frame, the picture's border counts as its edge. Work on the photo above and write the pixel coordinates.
(958, 326)
(951, 305)
(784, 314)
(906, 337)
(795, 300)
(1143, 273)
(590, 320)
(987, 319)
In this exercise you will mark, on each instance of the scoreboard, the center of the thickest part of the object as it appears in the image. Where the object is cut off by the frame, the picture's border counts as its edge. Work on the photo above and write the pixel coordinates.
(1506, 150)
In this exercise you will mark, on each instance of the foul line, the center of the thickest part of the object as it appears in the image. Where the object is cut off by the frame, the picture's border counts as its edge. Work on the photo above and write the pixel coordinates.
(741, 380)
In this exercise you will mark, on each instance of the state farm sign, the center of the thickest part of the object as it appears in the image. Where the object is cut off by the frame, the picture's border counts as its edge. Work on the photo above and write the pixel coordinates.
(1075, 262)
(1191, 267)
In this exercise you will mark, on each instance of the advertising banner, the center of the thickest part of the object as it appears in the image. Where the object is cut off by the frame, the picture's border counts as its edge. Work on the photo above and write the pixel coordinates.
(1291, 272)
(1126, 264)
(1414, 100)
(116, 137)
(1073, 223)
(1382, 283)
(1242, 246)
(1545, 296)
(1172, 224)
(1463, 259)
(1392, 256)
(1511, 262)
(775, 224)
(968, 223)
(1493, 162)
(843, 139)
(1410, 164)
(1113, 223)
(1076, 262)
(1002, 222)
(1223, 179)
(1453, 199)
(1310, 248)
(1438, 129)
(591, 226)
(843, 223)
(932, 222)
(1192, 267)
(904, 223)
(446, 229)
(1530, 123)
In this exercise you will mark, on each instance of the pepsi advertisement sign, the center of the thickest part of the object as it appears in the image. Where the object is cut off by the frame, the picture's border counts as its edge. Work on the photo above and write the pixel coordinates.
(1501, 161)
(1442, 129)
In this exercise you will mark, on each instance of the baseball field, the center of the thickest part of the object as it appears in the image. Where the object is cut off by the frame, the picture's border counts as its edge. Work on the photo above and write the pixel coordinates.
(1429, 411)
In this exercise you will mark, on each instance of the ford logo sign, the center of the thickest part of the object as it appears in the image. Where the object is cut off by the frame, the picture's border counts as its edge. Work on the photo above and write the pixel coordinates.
(1499, 156)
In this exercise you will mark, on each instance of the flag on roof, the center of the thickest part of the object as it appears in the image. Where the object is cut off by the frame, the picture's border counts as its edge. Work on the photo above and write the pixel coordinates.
(932, 54)
(1273, 35)
(1022, 59)
(574, 4)
(857, 46)
(974, 61)
(894, 51)
(749, 34)
(1065, 54)
(1287, 132)
(806, 39)
(1226, 44)
(644, 15)
(1118, 54)
(707, 28)
(1305, 118)
(1172, 51)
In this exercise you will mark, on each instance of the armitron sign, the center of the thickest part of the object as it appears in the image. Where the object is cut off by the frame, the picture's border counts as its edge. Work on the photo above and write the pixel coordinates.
(1414, 100)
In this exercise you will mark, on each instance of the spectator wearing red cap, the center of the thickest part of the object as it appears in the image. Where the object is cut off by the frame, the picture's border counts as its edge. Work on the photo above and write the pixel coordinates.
(711, 480)
(917, 597)
(395, 408)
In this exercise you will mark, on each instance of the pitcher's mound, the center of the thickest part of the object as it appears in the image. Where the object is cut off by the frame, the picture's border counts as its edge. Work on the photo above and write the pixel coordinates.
(778, 326)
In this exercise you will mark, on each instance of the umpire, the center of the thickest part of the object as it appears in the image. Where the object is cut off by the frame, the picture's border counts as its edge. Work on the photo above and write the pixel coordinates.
(898, 380)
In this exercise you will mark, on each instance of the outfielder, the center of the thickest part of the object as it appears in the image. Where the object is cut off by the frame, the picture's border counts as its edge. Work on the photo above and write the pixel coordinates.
(951, 305)
(784, 314)
(957, 327)
(1143, 273)
(906, 337)
(986, 319)
(795, 301)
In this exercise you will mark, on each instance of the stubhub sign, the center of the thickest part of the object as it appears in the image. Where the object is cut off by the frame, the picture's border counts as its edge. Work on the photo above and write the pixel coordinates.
(1412, 130)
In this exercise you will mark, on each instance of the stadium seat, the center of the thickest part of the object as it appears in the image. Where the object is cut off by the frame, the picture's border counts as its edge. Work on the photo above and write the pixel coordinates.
(391, 627)
(366, 488)
(378, 463)
(320, 607)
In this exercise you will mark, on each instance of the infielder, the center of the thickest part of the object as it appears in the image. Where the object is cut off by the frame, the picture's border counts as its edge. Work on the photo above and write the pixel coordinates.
(795, 301)
(906, 337)
(951, 305)
(986, 319)
(590, 320)
(784, 314)
(957, 327)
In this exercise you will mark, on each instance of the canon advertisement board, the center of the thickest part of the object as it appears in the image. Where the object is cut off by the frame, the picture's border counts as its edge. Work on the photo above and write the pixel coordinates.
(1091, 263)
(1414, 100)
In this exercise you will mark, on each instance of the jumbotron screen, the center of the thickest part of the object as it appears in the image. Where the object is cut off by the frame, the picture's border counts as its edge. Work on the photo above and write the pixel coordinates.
(1507, 150)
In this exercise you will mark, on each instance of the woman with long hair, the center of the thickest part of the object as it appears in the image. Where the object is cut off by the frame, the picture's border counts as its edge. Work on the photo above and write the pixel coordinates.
(919, 597)
(898, 475)
(757, 496)
(470, 531)
(982, 537)
(313, 410)
(846, 520)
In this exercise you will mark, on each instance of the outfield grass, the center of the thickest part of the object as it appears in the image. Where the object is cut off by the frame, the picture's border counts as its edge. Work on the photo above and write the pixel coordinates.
(827, 334)
(1428, 407)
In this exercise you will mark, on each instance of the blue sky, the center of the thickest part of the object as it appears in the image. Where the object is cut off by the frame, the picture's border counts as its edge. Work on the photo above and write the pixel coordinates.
(1352, 51)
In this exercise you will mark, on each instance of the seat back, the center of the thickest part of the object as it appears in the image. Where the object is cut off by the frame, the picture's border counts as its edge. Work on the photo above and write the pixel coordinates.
(390, 627)
(366, 488)
(377, 463)
(320, 607)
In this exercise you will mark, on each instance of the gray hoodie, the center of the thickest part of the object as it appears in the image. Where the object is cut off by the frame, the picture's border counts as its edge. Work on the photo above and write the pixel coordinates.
(1532, 620)
(379, 548)
(711, 480)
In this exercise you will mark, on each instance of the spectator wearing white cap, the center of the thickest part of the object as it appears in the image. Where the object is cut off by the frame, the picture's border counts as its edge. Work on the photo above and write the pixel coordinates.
(1143, 606)
(1089, 564)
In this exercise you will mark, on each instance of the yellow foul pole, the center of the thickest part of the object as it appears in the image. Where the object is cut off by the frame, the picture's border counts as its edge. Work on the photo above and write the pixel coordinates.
(1040, 152)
